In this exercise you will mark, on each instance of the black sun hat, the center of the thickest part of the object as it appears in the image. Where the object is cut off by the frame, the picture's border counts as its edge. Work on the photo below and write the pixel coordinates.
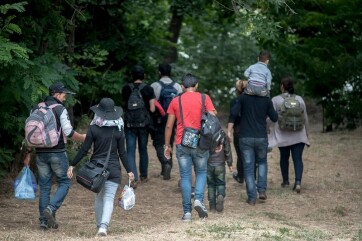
(106, 109)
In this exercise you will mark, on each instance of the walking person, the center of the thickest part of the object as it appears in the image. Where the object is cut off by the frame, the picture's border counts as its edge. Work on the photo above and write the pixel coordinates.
(238, 175)
(216, 175)
(105, 129)
(290, 141)
(139, 102)
(165, 90)
(54, 161)
(189, 117)
(254, 111)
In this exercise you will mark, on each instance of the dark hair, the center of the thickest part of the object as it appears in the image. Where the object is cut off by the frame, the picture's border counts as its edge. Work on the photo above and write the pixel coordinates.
(264, 56)
(287, 84)
(189, 80)
(165, 69)
(138, 73)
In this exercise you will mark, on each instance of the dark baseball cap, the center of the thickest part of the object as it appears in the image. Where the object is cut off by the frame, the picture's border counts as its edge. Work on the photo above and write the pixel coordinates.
(59, 88)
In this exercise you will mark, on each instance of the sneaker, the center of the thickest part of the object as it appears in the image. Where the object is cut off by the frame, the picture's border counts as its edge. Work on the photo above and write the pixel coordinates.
(220, 203)
(167, 172)
(200, 208)
(187, 217)
(43, 226)
(102, 232)
(52, 223)
(262, 196)
(251, 202)
(297, 187)
(285, 184)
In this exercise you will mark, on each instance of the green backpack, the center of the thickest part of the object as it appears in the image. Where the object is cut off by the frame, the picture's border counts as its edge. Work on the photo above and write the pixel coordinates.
(291, 114)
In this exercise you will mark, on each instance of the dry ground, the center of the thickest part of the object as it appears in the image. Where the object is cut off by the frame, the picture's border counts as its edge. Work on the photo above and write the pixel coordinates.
(329, 207)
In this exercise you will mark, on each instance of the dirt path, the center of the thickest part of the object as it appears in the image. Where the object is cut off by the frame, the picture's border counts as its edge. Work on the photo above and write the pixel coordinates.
(329, 207)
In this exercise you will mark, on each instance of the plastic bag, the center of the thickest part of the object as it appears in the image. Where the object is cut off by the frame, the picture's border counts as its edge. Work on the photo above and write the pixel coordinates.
(25, 185)
(127, 200)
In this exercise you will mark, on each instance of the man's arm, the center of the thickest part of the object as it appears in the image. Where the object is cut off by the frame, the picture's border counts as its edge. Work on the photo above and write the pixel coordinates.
(152, 105)
(168, 132)
(68, 128)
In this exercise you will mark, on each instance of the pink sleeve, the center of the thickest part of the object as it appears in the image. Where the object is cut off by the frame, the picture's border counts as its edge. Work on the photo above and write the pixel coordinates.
(159, 108)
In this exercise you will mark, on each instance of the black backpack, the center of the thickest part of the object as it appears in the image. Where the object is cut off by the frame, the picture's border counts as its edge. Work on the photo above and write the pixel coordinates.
(168, 92)
(211, 133)
(136, 115)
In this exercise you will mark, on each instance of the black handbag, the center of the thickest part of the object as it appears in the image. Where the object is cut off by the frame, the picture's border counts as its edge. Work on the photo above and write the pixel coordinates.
(94, 173)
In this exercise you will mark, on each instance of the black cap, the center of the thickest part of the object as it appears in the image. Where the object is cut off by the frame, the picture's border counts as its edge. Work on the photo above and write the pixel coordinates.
(59, 88)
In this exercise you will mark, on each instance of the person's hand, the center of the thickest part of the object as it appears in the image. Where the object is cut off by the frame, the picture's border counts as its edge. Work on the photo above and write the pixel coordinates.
(231, 169)
(131, 176)
(230, 137)
(167, 152)
(27, 159)
(218, 148)
(70, 172)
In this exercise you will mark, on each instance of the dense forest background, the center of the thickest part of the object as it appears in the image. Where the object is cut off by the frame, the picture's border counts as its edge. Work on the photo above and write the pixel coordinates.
(91, 45)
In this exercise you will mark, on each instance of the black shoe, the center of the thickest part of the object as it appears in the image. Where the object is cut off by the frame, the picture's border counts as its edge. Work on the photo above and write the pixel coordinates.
(237, 178)
(297, 187)
(285, 184)
(262, 196)
(251, 202)
(49, 215)
(167, 172)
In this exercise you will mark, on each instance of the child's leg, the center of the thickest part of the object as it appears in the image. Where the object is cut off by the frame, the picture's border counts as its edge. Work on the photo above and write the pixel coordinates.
(220, 187)
(256, 90)
(211, 186)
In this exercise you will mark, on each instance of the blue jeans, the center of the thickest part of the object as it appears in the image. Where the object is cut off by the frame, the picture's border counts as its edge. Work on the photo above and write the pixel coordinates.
(215, 182)
(254, 150)
(50, 164)
(297, 151)
(103, 204)
(188, 157)
(140, 135)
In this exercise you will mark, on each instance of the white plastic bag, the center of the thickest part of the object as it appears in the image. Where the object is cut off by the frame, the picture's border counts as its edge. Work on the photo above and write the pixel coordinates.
(127, 200)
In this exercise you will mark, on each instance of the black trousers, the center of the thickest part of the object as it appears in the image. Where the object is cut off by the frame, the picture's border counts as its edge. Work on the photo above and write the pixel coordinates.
(159, 141)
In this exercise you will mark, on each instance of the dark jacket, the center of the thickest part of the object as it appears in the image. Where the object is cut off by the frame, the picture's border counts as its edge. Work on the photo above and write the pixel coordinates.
(225, 155)
(100, 137)
(254, 110)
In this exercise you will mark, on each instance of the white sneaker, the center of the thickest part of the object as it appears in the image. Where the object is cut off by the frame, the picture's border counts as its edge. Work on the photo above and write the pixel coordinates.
(200, 208)
(102, 232)
(187, 217)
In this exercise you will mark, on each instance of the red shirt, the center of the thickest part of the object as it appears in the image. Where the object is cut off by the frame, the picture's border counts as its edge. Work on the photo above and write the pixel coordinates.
(191, 110)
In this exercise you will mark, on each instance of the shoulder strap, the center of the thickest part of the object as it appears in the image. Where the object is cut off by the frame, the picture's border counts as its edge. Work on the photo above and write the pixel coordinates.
(109, 149)
(203, 97)
(180, 107)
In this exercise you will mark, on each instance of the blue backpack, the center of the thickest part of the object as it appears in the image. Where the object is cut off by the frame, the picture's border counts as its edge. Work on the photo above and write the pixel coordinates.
(168, 92)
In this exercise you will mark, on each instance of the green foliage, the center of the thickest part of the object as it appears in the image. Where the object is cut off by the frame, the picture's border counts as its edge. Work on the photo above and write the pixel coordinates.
(322, 45)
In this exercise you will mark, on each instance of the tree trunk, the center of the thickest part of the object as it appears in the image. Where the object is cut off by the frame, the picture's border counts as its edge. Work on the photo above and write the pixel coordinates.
(174, 30)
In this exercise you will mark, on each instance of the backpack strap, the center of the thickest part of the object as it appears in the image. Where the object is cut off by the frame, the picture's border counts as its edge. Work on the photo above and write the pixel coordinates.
(164, 84)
